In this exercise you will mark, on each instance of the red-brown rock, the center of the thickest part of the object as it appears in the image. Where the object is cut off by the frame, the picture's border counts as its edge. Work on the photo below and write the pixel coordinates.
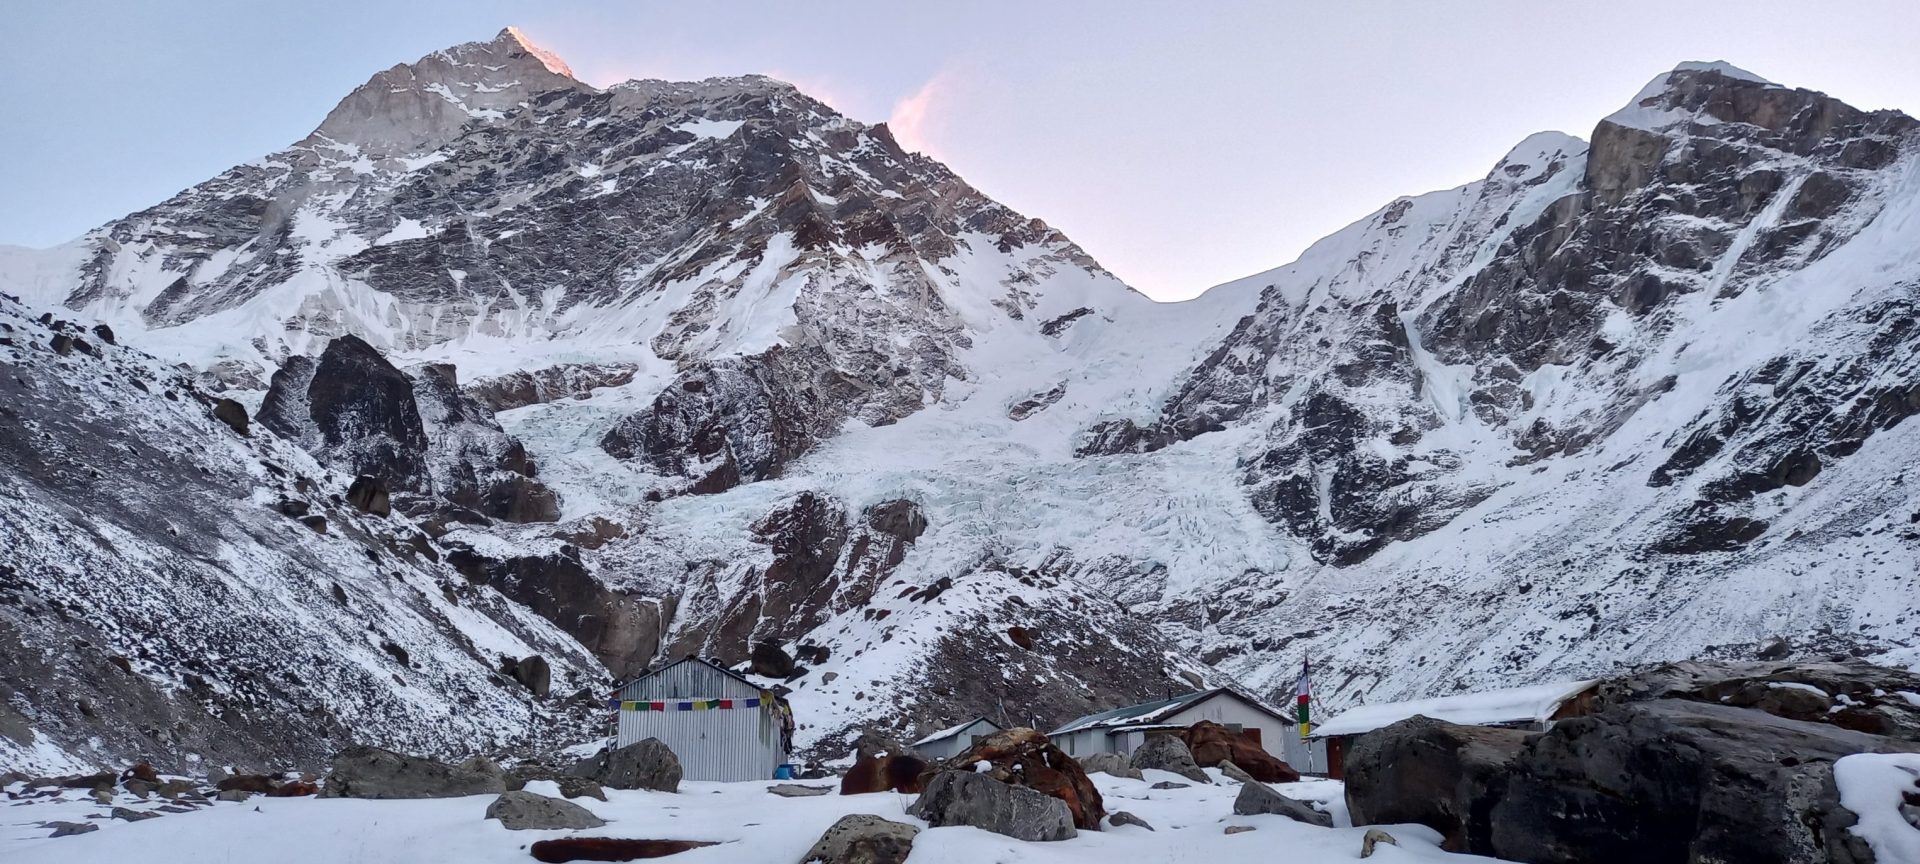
(260, 783)
(898, 773)
(295, 789)
(141, 771)
(608, 849)
(1024, 757)
(1213, 743)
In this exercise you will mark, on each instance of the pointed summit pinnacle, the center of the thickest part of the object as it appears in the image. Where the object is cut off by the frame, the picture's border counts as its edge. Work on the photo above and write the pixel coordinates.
(547, 58)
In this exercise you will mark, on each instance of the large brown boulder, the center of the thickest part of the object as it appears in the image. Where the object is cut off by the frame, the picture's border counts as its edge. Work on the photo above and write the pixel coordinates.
(1211, 743)
(1431, 772)
(884, 772)
(1024, 757)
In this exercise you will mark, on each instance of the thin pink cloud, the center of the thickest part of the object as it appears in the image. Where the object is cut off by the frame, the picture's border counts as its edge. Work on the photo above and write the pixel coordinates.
(917, 120)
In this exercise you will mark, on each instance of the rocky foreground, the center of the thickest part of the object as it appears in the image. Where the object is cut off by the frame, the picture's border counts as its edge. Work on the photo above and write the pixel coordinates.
(1690, 762)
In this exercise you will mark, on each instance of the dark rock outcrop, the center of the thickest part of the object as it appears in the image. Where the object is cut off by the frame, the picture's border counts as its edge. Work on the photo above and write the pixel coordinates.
(414, 433)
(967, 798)
(1168, 753)
(1210, 743)
(520, 811)
(896, 772)
(1256, 798)
(622, 630)
(1024, 757)
(1434, 773)
(371, 772)
(647, 764)
(860, 838)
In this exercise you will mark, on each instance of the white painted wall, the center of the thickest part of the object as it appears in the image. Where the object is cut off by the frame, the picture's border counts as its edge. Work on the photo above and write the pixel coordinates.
(1277, 736)
(947, 748)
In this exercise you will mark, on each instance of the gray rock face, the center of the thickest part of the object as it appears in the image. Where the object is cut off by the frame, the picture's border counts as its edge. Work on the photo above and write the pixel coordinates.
(1852, 694)
(966, 798)
(414, 433)
(1680, 781)
(1168, 753)
(1110, 763)
(1434, 773)
(646, 764)
(1256, 798)
(860, 838)
(371, 772)
(520, 811)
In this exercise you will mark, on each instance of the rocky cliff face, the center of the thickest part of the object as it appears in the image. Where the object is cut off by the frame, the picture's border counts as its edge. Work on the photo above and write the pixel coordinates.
(183, 586)
(785, 383)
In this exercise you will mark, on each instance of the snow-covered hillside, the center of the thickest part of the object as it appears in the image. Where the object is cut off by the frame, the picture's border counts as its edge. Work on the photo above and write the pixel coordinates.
(1630, 399)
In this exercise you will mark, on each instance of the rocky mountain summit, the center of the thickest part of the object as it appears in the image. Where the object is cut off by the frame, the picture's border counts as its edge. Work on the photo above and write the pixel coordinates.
(666, 368)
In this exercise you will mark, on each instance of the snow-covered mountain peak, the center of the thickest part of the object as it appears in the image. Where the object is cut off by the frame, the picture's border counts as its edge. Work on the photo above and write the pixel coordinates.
(547, 58)
(415, 107)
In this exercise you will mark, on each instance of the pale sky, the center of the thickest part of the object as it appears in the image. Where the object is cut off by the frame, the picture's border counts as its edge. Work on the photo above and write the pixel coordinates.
(1182, 144)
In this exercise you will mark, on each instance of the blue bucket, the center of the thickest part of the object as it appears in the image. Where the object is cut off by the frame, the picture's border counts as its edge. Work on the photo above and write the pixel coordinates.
(784, 772)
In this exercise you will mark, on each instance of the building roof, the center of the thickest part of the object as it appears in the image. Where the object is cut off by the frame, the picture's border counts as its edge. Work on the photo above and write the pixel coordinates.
(1535, 704)
(951, 731)
(1150, 713)
(690, 659)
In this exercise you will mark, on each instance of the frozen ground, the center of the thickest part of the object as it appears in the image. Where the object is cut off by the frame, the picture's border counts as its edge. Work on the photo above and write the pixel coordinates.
(749, 825)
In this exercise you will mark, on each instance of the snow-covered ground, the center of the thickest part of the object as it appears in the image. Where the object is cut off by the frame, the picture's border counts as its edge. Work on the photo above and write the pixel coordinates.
(748, 823)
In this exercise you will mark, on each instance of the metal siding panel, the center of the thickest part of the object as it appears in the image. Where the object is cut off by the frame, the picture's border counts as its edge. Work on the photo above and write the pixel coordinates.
(720, 744)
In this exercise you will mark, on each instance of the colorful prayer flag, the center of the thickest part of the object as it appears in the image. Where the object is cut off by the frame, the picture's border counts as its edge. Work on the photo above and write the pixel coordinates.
(726, 703)
(658, 706)
(753, 703)
(614, 703)
(685, 706)
(1304, 690)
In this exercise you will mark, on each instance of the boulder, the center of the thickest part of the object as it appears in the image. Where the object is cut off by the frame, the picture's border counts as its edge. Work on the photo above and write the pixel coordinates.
(370, 496)
(861, 838)
(260, 783)
(647, 764)
(1210, 743)
(1109, 763)
(371, 772)
(130, 815)
(294, 789)
(233, 414)
(1851, 694)
(1234, 773)
(1169, 784)
(1372, 840)
(1024, 757)
(771, 661)
(1168, 753)
(795, 790)
(1238, 829)
(68, 829)
(1431, 772)
(607, 849)
(1679, 780)
(1256, 798)
(885, 772)
(969, 798)
(235, 795)
(533, 673)
(1122, 817)
(519, 811)
(141, 771)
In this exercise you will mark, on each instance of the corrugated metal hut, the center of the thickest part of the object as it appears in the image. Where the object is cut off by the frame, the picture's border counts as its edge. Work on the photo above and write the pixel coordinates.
(1121, 730)
(720, 725)
(953, 740)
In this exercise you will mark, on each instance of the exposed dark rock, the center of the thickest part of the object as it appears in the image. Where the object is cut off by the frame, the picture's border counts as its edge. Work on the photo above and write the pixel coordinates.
(1256, 798)
(533, 387)
(533, 673)
(233, 414)
(1210, 743)
(860, 838)
(371, 772)
(967, 798)
(896, 772)
(1024, 757)
(1168, 753)
(646, 764)
(68, 829)
(1122, 817)
(520, 811)
(367, 494)
(1433, 773)
(622, 630)
(771, 661)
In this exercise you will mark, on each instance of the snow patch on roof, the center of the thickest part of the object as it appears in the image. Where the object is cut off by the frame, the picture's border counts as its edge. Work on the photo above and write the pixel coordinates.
(1487, 708)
